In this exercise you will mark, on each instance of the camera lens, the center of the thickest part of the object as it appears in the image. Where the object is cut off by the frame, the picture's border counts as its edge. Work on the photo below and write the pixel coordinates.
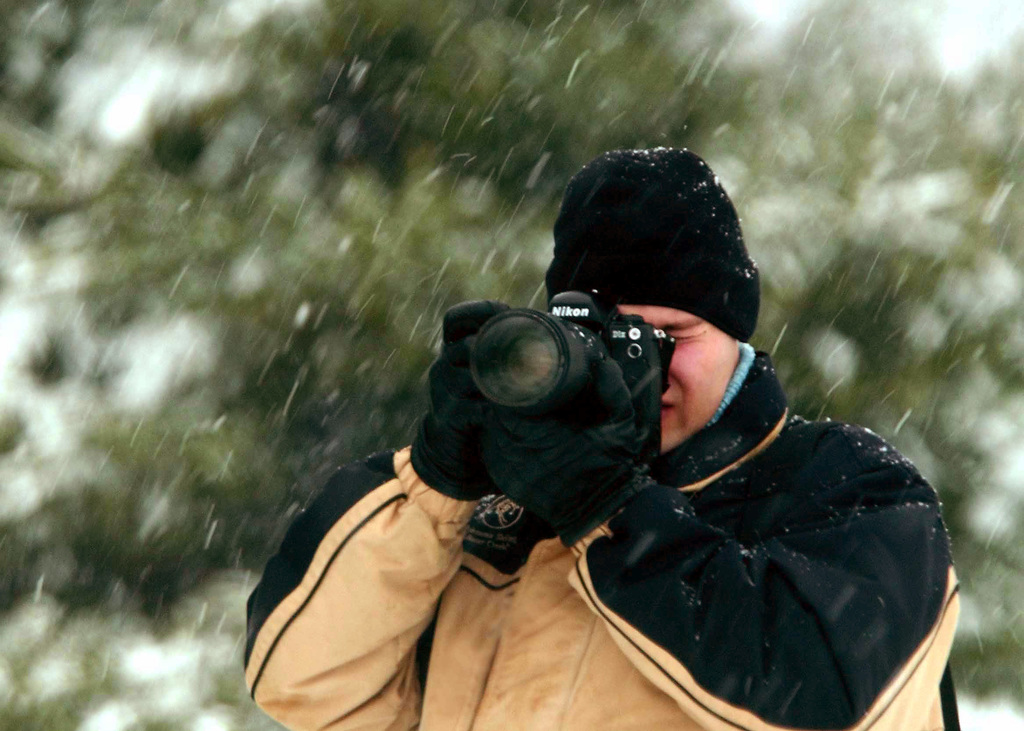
(532, 361)
(517, 360)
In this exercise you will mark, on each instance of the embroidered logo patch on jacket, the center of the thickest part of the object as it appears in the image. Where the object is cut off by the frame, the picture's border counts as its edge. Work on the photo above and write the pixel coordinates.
(502, 533)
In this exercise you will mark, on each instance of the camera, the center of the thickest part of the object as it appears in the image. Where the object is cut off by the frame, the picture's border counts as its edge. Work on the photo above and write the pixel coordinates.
(537, 362)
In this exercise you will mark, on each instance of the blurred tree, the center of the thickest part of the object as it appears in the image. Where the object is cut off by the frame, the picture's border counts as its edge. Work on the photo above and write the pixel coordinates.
(234, 226)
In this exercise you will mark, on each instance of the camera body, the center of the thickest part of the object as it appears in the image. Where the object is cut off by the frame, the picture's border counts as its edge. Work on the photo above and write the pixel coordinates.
(539, 362)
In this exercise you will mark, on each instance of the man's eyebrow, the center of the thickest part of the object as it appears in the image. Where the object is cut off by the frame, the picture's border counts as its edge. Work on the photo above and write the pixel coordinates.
(681, 324)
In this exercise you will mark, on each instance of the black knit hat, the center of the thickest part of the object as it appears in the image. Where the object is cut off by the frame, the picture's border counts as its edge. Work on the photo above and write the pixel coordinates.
(655, 227)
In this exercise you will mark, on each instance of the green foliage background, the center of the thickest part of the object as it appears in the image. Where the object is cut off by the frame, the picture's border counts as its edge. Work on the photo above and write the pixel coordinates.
(231, 228)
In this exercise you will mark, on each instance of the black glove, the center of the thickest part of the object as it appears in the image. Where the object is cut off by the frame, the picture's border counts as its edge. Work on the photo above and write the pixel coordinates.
(573, 473)
(446, 451)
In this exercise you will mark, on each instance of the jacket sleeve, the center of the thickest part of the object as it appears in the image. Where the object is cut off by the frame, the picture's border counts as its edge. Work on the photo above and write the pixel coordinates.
(829, 604)
(333, 623)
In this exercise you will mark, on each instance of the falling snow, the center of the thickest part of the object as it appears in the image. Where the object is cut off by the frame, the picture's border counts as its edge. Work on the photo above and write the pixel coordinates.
(229, 232)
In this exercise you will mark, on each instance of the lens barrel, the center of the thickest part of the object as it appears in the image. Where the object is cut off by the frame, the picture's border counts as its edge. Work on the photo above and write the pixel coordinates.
(531, 361)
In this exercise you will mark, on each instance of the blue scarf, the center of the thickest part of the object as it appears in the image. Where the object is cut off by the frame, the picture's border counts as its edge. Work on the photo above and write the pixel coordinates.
(736, 382)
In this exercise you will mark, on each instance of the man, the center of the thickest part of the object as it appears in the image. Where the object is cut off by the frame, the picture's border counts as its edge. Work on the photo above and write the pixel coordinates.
(527, 572)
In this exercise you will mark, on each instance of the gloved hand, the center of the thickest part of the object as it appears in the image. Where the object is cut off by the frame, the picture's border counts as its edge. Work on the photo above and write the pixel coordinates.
(446, 451)
(573, 474)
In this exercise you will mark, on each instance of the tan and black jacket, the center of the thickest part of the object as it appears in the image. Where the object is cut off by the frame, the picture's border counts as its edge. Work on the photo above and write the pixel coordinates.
(783, 575)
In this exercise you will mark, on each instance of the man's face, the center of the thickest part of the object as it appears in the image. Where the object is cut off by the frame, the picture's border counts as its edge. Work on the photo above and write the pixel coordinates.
(701, 367)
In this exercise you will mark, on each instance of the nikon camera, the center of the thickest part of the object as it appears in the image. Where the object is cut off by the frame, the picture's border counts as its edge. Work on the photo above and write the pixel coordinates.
(538, 362)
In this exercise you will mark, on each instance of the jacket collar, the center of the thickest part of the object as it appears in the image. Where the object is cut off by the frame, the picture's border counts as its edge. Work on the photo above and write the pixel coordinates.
(750, 423)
